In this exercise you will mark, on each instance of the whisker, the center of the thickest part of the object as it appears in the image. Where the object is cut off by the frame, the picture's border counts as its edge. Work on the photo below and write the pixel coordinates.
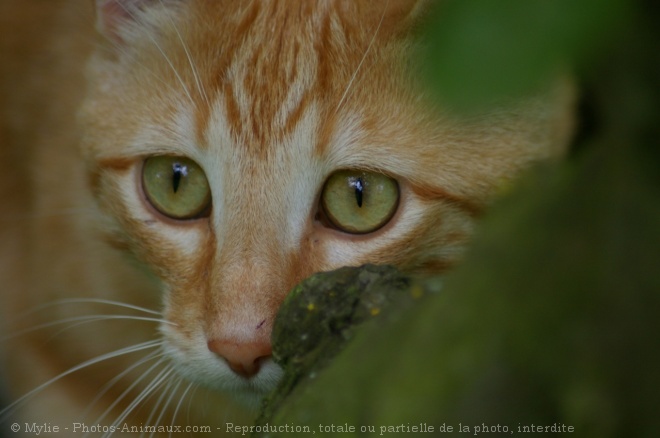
(84, 301)
(194, 70)
(178, 405)
(190, 400)
(117, 378)
(167, 403)
(118, 47)
(109, 302)
(157, 404)
(80, 320)
(162, 52)
(117, 353)
(364, 57)
(146, 392)
(130, 388)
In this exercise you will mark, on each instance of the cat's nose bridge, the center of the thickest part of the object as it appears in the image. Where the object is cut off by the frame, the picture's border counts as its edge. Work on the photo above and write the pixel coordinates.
(250, 276)
(244, 297)
(239, 339)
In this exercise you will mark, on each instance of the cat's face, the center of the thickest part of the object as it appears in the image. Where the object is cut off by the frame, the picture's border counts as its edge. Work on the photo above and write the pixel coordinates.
(235, 148)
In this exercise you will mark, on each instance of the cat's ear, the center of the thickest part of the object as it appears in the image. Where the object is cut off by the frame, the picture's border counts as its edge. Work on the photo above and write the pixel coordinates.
(111, 14)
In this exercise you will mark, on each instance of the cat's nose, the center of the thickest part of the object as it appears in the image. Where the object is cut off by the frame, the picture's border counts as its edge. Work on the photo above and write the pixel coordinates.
(244, 358)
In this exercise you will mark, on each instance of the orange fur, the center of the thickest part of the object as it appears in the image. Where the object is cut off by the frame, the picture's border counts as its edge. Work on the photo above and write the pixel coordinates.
(269, 97)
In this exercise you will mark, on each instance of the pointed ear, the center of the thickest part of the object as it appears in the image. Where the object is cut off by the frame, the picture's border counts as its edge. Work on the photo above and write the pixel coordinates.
(111, 14)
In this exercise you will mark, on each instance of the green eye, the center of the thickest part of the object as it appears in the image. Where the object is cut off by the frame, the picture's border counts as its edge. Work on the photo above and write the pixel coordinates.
(359, 202)
(176, 186)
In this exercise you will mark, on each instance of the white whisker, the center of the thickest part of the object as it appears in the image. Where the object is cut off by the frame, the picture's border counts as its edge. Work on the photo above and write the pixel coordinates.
(195, 73)
(85, 301)
(178, 405)
(157, 404)
(190, 400)
(109, 302)
(136, 59)
(102, 391)
(80, 320)
(146, 392)
(364, 57)
(130, 388)
(117, 353)
(167, 403)
(162, 52)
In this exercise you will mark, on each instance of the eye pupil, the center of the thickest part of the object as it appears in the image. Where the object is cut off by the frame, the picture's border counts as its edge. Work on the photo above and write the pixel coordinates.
(359, 188)
(178, 171)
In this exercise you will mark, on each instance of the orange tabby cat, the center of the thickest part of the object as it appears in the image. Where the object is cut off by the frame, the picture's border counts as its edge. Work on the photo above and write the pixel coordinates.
(170, 169)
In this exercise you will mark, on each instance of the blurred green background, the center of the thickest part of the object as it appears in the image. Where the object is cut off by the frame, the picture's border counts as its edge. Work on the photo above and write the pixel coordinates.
(553, 318)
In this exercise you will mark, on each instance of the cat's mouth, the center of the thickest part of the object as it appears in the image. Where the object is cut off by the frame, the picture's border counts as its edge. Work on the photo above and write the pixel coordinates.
(196, 361)
(247, 390)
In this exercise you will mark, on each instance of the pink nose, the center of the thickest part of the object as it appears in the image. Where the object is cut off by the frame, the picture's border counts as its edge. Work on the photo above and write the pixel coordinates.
(244, 358)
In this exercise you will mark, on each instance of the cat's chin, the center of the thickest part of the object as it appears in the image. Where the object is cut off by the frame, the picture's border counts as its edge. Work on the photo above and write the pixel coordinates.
(248, 390)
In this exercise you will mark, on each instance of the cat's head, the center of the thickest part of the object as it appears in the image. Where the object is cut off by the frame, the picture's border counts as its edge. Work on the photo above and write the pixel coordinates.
(237, 147)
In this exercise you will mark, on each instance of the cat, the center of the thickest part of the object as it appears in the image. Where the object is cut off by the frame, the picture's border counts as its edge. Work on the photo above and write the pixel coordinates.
(171, 168)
